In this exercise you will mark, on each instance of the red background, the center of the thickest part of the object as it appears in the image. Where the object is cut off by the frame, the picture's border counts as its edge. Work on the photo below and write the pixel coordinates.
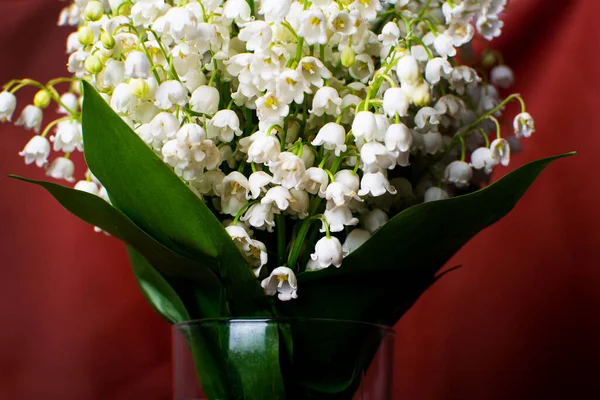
(521, 320)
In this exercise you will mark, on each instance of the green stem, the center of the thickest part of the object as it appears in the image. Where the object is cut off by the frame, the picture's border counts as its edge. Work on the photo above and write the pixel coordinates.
(281, 245)
(305, 227)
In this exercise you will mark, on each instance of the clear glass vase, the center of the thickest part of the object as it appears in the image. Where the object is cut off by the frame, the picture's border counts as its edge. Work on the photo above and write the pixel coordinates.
(282, 359)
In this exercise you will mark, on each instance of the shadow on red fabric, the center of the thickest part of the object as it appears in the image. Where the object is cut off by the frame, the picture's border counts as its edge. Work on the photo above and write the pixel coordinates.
(520, 320)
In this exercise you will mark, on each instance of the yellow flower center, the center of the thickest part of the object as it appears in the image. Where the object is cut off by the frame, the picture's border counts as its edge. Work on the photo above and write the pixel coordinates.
(290, 81)
(271, 102)
(254, 252)
(309, 67)
(315, 20)
(234, 187)
(339, 24)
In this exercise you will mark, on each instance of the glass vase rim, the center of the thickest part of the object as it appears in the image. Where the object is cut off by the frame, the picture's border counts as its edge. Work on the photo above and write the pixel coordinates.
(389, 330)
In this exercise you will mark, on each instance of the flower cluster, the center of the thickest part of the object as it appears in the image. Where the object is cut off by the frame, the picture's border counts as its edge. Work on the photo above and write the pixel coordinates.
(333, 115)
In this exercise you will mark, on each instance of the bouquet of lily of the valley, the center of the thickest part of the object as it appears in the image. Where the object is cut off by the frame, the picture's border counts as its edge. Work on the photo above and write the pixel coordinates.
(291, 158)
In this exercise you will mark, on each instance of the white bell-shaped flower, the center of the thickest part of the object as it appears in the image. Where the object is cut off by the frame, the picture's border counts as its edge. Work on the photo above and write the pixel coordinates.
(8, 104)
(31, 118)
(313, 71)
(427, 118)
(524, 125)
(254, 251)
(317, 181)
(419, 94)
(137, 65)
(299, 203)
(258, 182)
(433, 142)
(459, 173)
(502, 76)
(500, 149)
(398, 137)
(205, 100)
(338, 217)
(275, 10)
(61, 168)
(375, 156)
(482, 158)
(270, 108)
(437, 69)
(233, 191)
(313, 27)
(207, 185)
(143, 12)
(326, 101)
(36, 150)
(264, 148)
(70, 101)
(282, 282)
(355, 239)
(76, 63)
(225, 125)
(342, 22)
(171, 93)
(237, 10)
(364, 126)
(395, 102)
(332, 136)
(68, 136)
(291, 86)
(407, 69)
(390, 33)
(162, 128)
(368, 8)
(260, 216)
(179, 23)
(123, 100)
(328, 251)
(489, 25)
(349, 179)
(376, 184)
(289, 171)
(114, 73)
(435, 193)
(340, 194)
(363, 68)
(88, 187)
(375, 219)
(257, 35)
(257, 256)
(442, 43)
(278, 198)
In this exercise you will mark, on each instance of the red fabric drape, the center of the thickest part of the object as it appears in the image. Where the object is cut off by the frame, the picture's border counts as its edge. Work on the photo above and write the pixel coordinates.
(520, 320)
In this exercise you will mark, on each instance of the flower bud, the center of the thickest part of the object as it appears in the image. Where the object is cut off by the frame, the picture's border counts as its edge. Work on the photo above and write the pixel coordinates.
(42, 99)
(124, 9)
(489, 59)
(93, 11)
(86, 35)
(140, 88)
(93, 65)
(421, 96)
(108, 40)
(348, 57)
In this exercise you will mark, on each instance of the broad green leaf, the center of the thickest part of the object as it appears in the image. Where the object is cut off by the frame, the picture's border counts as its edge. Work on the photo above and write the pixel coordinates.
(252, 351)
(382, 279)
(155, 199)
(157, 290)
(97, 212)
(165, 299)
